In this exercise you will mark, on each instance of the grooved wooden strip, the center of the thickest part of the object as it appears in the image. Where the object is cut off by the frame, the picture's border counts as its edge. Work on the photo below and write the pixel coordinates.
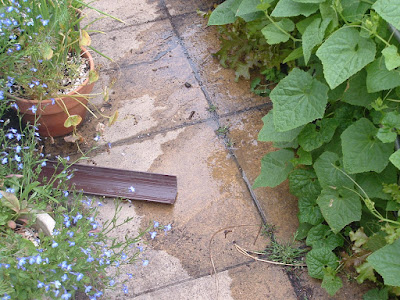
(116, 183)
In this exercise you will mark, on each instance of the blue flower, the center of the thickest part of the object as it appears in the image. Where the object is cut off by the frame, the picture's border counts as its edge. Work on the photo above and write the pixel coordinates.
(153, 234)
(112, 282)
(64, 277)
(38, 259)
(76, 218)
(108, 253)
(18, 149)
(167, 227)
(40, 284)
(56, 293)
(67, 223)
(132, 189)
(125, 289)
(33, 108)
(70, 233)
(10, 190)
(4, 160)
(145, 262)
(79, 277)
(33, 69)
(130, 275)
(88, 289)
(45, 22)
(21, 261)
(17, 47)
(6, 297)
(54, 244)
(123, 256)
(156, 224)
(7, 266)
(43, 164)
(90, 258)
(71, 244)
(57, 284)
(9, 135)
(53, 101)
(97, 138)
(17, 158)
(66, 193)
(66, 295)
(56, 232)
(98, 294)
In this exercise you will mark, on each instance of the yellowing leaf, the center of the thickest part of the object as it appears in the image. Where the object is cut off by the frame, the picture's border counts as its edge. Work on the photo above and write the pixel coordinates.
(113, 118)
(10, 200)
(73, 120)
(93, 76)
(84, 38)
(46, 51)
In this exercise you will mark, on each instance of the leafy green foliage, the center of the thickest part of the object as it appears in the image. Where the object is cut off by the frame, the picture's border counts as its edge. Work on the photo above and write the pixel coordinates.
(336, 116)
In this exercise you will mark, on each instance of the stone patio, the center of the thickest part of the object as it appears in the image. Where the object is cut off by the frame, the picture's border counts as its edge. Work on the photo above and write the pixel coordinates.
(168, 127)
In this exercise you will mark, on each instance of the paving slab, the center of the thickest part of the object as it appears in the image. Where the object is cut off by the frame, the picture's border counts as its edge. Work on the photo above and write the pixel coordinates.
(153, 96)
(201, 41)
(132, 12)
(134, 45)
(212, 197)
(279, 206)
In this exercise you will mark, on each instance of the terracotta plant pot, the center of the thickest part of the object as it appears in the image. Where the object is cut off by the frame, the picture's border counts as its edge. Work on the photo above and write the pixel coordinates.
(52, 117)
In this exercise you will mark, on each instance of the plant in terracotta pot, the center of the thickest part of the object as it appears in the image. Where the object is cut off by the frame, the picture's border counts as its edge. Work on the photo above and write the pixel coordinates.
(46, 67)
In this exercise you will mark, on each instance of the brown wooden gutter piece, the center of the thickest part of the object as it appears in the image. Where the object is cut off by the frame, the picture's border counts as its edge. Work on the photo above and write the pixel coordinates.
(117, 183)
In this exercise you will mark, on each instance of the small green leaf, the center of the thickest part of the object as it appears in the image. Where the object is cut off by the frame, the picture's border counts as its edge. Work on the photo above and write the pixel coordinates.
(392, 57)
(319, 259)
(269, 134)
(343, 54)
(389, 10)
(225, 13)
(304, 183)
(395, 159)
(73, 120)
(290, 8)
(275, 167)
(386, 261)
(376, 294)
(295, 54)
(298, 99)
(321, 236)
(356, 91)
(275, 35)
(302, 231)
(327, 174)
(365, 271)
(331, 282)
(309, 1)
(380, 78)
(386, 135)
(314, 136)
(304, 158)
(309, 211)
(362, 151)
(339, 207)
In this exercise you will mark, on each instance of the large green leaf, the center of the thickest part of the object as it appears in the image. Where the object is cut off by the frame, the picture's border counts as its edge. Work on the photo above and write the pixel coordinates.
(395, 159)
(313, 36)
(248, 10)
(386, 261)
(380, 78)
(275, 35)
(319, 259)
(309, 211)
(275, 167)
(315, 135)
(289, 8)
(354, 10)
(304, 183)
(356, 91)
(362, 150)
(339, 207)
(389, 10)
(225, 13)
(371, 182)
(309, 1)
(269, 134)
(298, 99)
(376, 294)
(321, 236)
(327, 174)
(343, 54)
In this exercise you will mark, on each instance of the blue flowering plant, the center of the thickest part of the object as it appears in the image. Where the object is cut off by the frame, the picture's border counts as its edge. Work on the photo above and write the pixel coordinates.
(79, 256)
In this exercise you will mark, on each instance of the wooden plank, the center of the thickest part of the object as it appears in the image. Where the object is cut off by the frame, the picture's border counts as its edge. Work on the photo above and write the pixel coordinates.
(117, 183)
